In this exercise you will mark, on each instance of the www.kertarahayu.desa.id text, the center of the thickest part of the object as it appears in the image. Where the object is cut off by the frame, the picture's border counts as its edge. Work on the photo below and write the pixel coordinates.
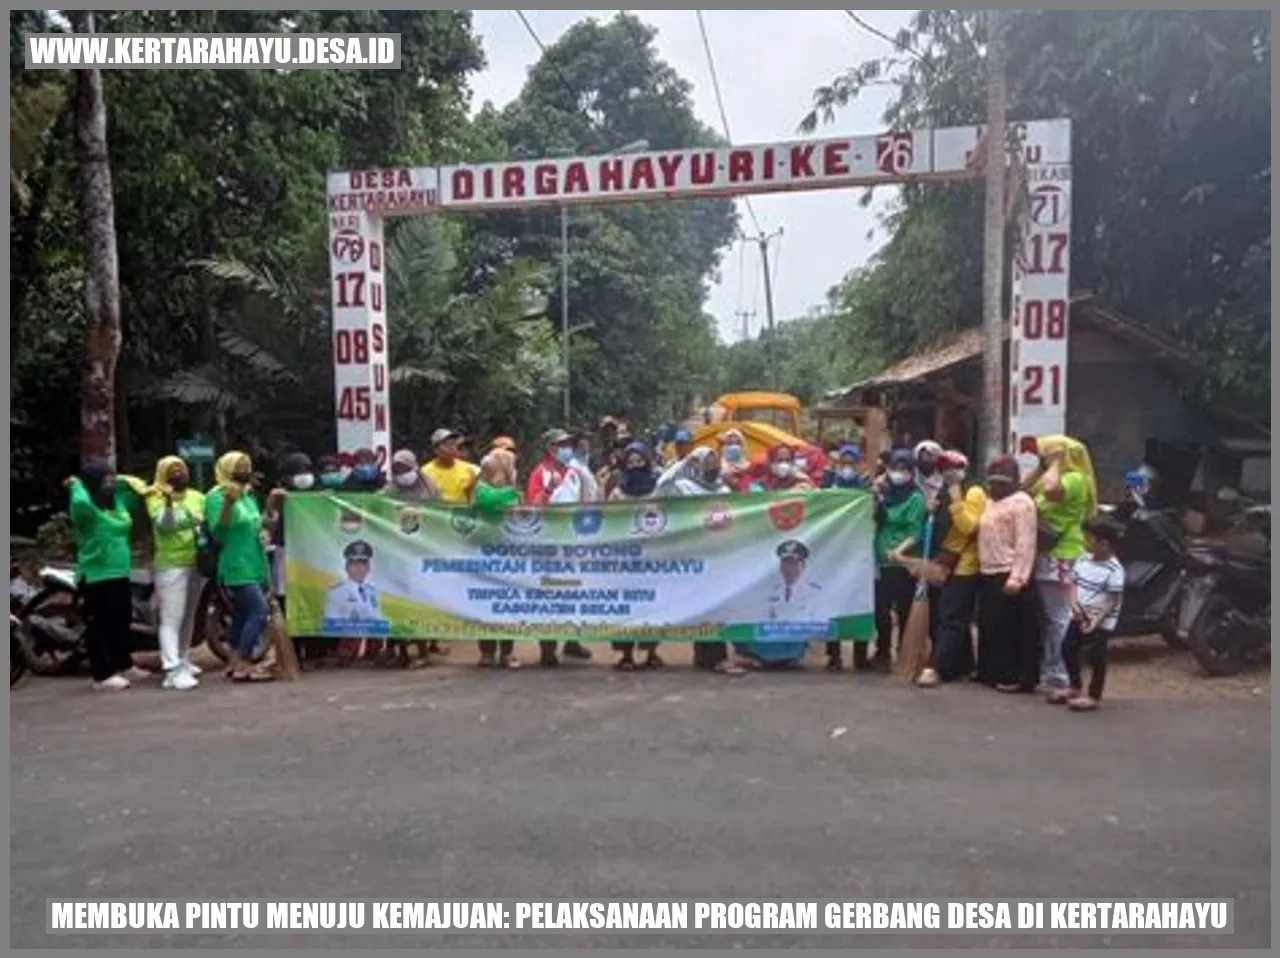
(337, 50)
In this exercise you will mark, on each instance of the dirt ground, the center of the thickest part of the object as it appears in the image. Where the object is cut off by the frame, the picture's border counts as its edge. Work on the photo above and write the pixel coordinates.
(1141, 669)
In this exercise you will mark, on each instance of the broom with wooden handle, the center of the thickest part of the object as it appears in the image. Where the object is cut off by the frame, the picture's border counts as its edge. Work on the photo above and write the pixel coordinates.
(913, 649)
(286, 657)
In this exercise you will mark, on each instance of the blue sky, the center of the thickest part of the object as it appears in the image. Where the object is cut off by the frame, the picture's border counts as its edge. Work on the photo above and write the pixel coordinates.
(768, 63)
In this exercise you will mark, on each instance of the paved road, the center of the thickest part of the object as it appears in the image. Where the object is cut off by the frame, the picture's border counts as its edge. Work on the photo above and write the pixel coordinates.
(584, 784)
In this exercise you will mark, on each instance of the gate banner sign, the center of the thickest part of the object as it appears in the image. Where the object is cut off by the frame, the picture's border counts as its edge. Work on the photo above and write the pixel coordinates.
(770, 567)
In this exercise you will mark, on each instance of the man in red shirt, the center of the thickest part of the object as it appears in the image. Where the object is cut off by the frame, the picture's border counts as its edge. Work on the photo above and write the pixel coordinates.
(545, 478)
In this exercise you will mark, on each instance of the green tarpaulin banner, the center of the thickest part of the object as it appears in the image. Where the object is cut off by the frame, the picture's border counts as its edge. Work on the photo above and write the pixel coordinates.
(762, 568)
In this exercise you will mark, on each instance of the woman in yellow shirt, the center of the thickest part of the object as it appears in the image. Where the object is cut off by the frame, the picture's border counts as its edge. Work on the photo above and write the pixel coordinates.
(176, 512)
(952, 656)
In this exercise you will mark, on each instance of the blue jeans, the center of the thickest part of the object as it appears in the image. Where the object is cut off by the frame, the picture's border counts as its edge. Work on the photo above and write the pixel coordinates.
(1055, 605)
(248, 619)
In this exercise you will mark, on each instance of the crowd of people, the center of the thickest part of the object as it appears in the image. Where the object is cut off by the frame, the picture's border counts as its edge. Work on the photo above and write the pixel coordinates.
(1024, 557)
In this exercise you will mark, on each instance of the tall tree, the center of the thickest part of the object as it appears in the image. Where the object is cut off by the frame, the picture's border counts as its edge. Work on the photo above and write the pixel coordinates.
(102, 272)
(1171, 184)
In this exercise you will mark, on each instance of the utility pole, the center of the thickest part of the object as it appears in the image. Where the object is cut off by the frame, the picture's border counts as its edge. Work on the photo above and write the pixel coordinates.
(993, 379)
(763, 241)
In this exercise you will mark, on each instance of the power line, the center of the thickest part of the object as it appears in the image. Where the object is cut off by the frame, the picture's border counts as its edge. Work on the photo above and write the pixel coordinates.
(877, 32)
(569, 87)
(724, 115)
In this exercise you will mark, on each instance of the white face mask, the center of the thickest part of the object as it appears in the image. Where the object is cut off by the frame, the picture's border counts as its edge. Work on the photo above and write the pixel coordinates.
(782, 469)
(846, 472)
(899, 478)
(304, 481)
(406, 480)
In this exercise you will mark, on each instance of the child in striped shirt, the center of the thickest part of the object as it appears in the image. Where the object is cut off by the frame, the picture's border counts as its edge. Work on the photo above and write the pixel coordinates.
(1096, 596)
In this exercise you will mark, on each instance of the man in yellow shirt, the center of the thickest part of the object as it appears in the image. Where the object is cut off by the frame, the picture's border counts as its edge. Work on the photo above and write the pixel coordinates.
(452, 475)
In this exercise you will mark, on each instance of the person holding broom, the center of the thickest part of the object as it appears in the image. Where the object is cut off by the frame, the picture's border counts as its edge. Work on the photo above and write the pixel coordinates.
(900, 519)
(952, 654)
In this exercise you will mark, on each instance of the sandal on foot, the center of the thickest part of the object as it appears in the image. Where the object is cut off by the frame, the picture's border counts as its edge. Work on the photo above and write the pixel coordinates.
(509, 662)
(625, 665)
(654, 661)
(728, 668)
(486, 662)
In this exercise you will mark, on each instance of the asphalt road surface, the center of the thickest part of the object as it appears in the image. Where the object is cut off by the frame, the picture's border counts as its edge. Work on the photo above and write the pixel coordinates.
(582, 784)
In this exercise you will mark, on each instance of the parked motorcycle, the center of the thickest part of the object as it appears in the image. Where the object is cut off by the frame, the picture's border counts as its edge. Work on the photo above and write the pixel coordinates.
(1225, 615)
(50, 619)
(1153, 551)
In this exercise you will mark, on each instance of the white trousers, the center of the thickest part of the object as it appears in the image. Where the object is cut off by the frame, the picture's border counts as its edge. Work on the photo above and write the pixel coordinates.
(178, 592)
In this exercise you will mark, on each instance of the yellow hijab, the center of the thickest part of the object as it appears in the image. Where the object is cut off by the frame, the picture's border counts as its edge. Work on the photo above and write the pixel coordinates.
(1075, 458)
(226, 468)
(160, 484)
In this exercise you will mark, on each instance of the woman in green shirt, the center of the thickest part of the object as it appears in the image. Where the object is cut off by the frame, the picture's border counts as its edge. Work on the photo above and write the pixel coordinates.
(100, 517)
(1065, 492)
(495, 491)
(176, 512)
(235, 523)
(900, 517)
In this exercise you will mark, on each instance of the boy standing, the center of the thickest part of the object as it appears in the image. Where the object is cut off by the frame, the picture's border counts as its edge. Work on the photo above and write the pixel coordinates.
(1096, 595)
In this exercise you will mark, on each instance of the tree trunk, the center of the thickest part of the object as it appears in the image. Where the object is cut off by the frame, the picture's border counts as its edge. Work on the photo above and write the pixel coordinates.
(102, 264)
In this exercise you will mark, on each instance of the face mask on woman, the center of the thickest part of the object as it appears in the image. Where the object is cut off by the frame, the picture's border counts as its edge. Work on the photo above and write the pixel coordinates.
(243, 476)
(899, 478)
(711, 475)
(366, 471)
(406, 480)
(179, 482)
(782, 469)
(847, 473)
(564, 455)
(733, 454)
(331, 480)
(304, 481)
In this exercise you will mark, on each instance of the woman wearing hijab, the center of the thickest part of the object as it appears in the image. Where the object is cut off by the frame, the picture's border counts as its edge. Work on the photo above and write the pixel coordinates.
(366, 476)
(330, 473)
(779, 472)
(734, 462)
(900, 526)
(635, 479)
(495, 491)
(235, 523)
(176, 513)
(1066, 497)
(100, 518)
(1008, 646)
(408, 483)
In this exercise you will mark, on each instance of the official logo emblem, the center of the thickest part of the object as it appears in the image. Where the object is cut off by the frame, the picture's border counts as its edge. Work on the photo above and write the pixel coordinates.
(523, 522)
(350, 521)
(651, 519)
(348, 246)
(410, 521)
(588, 522)
(463, 522)
(718, 517)
(786, 515)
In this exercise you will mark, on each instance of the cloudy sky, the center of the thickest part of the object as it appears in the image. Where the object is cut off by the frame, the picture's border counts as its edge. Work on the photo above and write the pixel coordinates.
(768, 63)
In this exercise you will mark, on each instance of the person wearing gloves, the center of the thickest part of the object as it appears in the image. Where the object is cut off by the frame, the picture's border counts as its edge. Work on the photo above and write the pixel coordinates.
(952, 653)
(176, 513)
(102, 523)
(556, 480)
(235, 522)
(900, 522)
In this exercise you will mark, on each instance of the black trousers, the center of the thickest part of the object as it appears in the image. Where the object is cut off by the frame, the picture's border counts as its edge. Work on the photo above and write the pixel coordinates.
(499, 647)
(895, 590)
(953, 637)
(108, 612)
(1008, 635)
(707, 655)
(1093, 648)
(628, 648)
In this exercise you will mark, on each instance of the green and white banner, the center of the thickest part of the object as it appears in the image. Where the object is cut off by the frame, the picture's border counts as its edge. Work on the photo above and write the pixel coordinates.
(759, 568)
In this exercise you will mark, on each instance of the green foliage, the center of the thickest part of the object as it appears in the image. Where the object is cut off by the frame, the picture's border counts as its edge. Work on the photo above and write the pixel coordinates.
(1171, 185)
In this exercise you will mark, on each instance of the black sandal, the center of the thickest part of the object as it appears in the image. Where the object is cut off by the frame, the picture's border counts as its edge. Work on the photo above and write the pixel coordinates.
(654, 661)
(835, 665)
(627, 664)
